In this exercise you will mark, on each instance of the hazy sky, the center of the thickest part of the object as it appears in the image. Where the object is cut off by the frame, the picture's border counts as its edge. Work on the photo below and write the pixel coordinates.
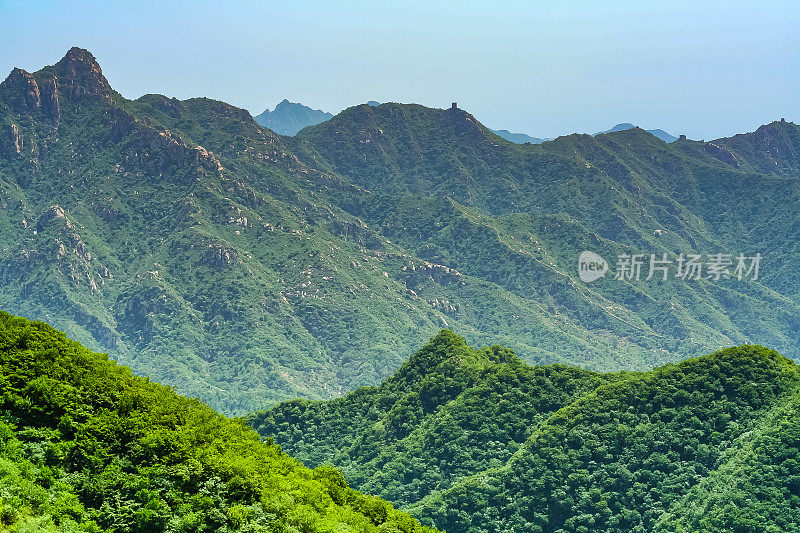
(707, 69)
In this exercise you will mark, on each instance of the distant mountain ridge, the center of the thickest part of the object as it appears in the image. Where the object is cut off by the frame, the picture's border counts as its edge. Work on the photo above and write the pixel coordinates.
(661, 134)
(519, 138)
(288, 118)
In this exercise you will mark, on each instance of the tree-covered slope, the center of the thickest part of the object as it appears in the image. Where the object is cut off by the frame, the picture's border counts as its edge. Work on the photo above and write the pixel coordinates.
(448, 412)
(626, 456)
(476, 440)
(87, 446)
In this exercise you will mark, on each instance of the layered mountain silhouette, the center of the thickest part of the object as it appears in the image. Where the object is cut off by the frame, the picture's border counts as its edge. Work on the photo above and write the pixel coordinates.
(288, 118)
(519, 138)
(245, 267)
(661, 134)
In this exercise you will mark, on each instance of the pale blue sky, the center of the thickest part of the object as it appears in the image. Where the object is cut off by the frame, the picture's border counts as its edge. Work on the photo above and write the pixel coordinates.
(707, 69)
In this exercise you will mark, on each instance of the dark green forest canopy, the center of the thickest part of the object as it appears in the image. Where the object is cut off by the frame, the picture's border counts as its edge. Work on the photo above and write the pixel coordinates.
(478, 441)
(87, 446)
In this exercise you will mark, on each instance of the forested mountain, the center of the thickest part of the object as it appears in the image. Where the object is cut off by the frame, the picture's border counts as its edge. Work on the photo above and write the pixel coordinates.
(478, 441)
(244, 267)
(288, 117)
(87, 446)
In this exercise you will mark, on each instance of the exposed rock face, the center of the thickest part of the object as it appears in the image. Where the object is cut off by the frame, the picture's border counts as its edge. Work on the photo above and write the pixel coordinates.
(720, 153)
(77, 75)
(24, 95)
(12, 141)
(55, 211)
(221, 257)
(416, 275)
(49, 98)
(80, 75)
(357, 232)
(157, 150)
(122, 123)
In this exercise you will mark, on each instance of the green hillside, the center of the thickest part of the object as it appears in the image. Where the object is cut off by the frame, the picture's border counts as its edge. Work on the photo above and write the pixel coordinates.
(87, 446)
(475, 440)
(245, 268)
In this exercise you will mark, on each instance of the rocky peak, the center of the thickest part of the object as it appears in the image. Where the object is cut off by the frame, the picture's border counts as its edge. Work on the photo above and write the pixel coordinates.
(80, 74)
(23, 91)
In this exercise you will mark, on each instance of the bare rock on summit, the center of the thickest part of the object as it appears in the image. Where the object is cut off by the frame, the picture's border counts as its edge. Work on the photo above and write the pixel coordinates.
(80, 74)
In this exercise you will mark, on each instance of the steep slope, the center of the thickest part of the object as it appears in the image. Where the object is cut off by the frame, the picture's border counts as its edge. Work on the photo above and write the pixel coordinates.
(475, 440)
(87, 446)
(756, 488)
(288, 117)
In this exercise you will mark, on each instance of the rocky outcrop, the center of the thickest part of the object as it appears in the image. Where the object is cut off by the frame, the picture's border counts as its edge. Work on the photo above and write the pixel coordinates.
(51, 106)
(721, 154)
(219, 257)
(22, 91)
(416, 275)
(357, 232)
(54, 212)
(12, 141)
(77, 75)
(80, 76)
(122, 123)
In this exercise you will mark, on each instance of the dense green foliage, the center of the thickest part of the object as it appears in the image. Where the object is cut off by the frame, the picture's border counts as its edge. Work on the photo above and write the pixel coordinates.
(450, 411)
(244, 268)
(87, 446)
(477, 441)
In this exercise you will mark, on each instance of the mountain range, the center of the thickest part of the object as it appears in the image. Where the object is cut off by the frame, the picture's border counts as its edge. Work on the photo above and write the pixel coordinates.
(477, 441)
(289, 118)
(244, 267)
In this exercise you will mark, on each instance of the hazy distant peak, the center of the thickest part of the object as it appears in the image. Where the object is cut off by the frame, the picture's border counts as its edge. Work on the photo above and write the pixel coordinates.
(624, 126)
(288, 118)
(519, 138)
